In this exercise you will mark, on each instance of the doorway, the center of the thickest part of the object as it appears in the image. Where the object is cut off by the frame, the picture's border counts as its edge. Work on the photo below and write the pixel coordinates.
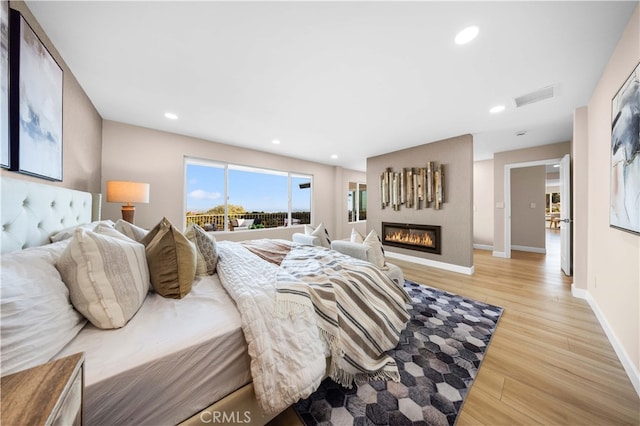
(563, 221)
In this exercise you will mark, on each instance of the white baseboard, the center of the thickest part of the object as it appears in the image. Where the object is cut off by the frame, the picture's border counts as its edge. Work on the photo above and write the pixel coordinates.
(579, 293)
(433, 263)
(483, 247)
(629, 367)
(500, 254)
(529, 249)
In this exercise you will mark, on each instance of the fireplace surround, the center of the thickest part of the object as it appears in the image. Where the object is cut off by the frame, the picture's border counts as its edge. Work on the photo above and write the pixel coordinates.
(412, 236)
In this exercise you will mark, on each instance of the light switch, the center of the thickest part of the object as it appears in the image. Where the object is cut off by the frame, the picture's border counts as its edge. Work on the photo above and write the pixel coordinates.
(533, 205)
(500, 205)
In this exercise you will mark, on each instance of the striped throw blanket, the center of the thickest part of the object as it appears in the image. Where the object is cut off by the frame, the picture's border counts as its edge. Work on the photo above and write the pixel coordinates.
(360, 311)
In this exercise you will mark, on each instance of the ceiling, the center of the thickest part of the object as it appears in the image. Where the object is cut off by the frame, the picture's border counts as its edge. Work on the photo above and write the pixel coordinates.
(351, 79)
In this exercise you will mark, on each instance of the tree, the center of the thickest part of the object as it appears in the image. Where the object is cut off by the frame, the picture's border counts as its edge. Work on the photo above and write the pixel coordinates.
(233, 209)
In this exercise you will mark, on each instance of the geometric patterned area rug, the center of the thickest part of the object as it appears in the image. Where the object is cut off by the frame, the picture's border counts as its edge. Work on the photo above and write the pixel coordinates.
(438, 357)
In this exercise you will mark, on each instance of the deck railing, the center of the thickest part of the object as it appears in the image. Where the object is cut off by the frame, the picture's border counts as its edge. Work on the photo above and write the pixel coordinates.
(268, 220)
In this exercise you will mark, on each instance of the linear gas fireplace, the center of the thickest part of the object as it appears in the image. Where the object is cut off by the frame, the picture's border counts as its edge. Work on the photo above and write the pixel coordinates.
(412, 236)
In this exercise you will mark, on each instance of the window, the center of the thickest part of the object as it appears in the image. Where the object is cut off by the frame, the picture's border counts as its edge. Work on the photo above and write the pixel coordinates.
(222, 196)
(357, 201)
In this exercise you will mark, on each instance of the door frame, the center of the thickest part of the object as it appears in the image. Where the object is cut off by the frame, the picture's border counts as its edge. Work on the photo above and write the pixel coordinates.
(507, 196)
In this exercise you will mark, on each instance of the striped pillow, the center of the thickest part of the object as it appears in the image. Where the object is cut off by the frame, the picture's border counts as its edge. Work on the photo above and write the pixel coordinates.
(321, 232)
(107, 275)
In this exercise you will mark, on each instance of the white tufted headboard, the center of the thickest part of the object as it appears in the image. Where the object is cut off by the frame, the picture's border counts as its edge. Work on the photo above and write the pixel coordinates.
(30, 212)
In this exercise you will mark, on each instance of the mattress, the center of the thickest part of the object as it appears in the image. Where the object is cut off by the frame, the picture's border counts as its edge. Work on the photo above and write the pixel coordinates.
(173, 359)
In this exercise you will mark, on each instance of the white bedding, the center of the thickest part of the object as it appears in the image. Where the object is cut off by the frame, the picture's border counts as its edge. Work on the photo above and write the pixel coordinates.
(174, 358)
(287, 355)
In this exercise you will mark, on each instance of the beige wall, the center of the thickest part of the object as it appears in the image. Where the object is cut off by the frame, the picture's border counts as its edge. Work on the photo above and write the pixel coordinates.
(528, 208)
(81, 125)
(613, 258)
(500, 160)
(483, 203)
(140, 154)
(580, 195)
(456, 215)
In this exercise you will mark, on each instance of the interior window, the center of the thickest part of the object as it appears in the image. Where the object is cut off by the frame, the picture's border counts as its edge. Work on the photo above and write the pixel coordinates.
(357, 201)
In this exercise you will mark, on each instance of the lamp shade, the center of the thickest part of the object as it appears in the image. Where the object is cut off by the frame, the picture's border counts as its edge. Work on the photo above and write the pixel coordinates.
(119, 191)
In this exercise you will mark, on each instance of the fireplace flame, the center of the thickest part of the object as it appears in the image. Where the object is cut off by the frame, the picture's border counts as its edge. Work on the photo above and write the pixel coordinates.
(404, 237)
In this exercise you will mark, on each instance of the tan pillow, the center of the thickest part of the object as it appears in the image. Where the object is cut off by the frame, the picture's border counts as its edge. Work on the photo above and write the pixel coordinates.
(172, 260)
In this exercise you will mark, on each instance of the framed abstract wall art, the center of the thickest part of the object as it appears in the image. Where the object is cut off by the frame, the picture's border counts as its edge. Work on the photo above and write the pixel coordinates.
(625, 155)
(35, 98)
(4, 83)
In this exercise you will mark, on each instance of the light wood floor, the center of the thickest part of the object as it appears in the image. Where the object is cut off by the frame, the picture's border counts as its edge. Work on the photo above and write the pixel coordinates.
(549, 362)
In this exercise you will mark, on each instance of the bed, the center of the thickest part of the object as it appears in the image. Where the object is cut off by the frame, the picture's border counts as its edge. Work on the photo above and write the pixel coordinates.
(183, 361)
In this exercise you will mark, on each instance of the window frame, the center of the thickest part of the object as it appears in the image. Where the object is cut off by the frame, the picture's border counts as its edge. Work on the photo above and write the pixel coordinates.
(253, 169)
(356, 201)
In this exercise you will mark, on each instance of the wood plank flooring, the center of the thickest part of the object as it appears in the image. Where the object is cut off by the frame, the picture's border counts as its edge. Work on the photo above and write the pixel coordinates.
(549, 362)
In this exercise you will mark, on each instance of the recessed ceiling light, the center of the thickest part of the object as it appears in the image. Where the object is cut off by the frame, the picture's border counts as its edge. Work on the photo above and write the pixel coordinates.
(466, 35)
(170, 116)
(334, 156)
(275, 142)
(556, 165)
(496, 109)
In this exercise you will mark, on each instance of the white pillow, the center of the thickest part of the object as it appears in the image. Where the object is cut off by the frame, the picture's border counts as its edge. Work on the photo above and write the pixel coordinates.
(67, 233)
(356, 237)
(319, 232)
(107, 275)
(130, 230)
(36, 317)
(376, 255)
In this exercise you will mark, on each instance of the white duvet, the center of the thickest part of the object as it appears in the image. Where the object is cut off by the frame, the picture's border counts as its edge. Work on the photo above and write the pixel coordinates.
(287, 355)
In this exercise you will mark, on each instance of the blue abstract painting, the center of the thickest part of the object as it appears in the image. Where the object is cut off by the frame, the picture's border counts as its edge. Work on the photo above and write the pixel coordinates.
(4, 83)
(625, 155)
(39, 105)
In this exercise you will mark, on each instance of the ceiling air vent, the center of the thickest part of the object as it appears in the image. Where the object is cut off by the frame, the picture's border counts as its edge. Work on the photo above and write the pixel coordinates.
(537, 96)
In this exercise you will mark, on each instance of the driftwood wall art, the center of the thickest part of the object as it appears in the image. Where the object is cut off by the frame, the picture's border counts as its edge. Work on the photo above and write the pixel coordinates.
(417, 187)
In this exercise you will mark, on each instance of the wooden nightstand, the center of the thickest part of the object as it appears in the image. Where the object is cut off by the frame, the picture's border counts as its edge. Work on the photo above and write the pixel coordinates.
(49, 394)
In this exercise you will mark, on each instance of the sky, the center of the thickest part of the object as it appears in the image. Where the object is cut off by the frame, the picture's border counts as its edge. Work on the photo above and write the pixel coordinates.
(255, 192)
